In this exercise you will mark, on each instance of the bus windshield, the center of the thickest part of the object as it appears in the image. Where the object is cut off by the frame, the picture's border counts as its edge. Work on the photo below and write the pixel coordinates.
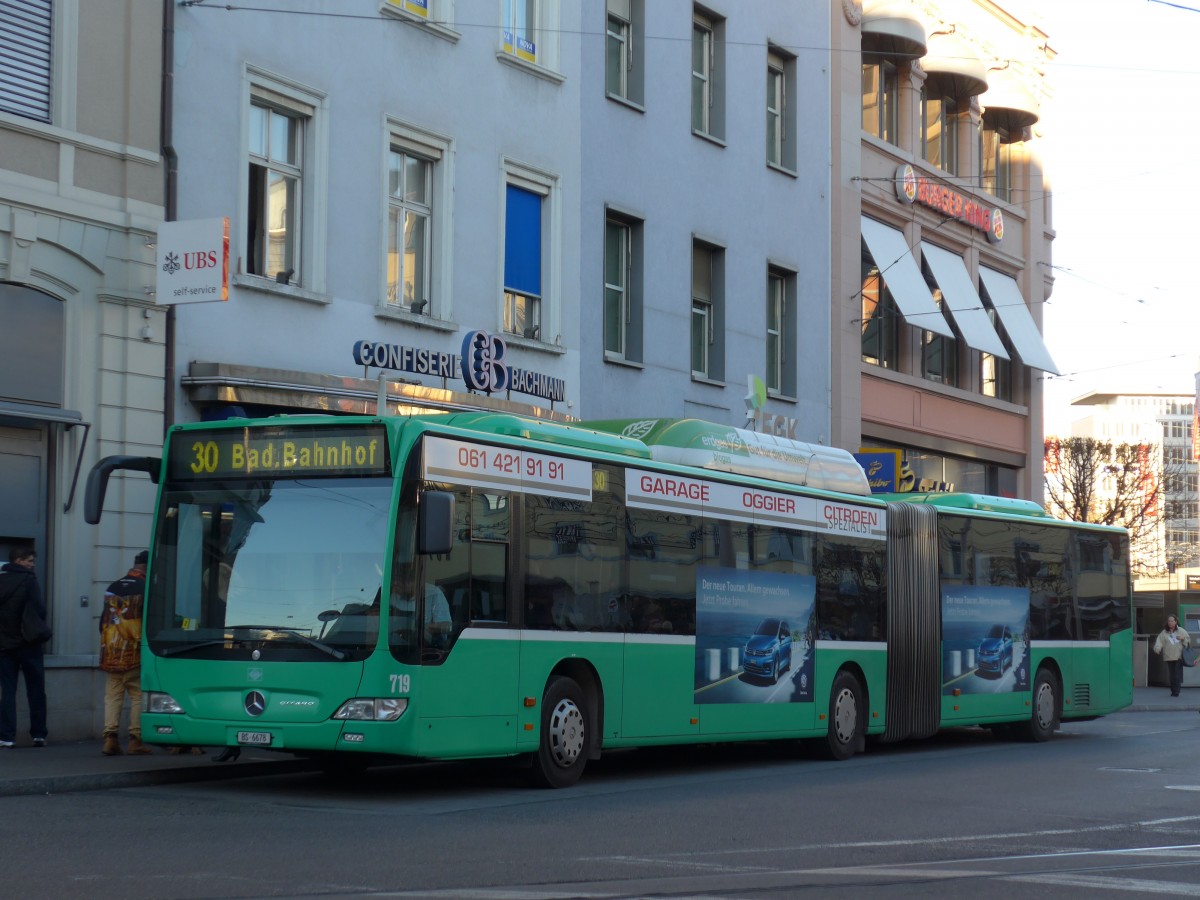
(288, 567)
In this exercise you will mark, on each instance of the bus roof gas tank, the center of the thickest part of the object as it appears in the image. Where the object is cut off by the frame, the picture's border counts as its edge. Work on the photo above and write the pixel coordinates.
(708, 445)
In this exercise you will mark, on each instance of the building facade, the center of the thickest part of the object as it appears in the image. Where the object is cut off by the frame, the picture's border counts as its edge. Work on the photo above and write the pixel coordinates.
(943, 223)
(81, 347)
(1165, 424)
(705, 213)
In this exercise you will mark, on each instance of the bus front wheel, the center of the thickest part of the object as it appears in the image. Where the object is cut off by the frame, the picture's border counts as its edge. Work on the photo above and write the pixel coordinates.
(847, 718)
(563, 748)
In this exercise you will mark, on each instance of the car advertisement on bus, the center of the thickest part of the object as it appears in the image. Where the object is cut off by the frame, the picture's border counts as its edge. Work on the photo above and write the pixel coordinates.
(752, 636)
(985, 639)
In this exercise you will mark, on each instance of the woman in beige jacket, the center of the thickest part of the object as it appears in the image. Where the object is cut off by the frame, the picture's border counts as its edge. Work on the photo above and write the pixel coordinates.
(1170, 643)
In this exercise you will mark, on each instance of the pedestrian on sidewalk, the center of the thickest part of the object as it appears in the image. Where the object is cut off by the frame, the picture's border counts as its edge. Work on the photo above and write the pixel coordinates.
(23, 635)
(1169, 644)
(121, 656)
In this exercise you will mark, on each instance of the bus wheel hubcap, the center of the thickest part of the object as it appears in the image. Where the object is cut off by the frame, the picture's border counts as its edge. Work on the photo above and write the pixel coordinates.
(845, 716)
(1045, 706)
(566, 733)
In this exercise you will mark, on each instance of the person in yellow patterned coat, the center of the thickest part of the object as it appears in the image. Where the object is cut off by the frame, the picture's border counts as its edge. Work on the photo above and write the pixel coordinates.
(121, 656)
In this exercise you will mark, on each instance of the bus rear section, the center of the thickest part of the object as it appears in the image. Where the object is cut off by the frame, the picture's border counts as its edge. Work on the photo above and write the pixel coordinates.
(1003, 617)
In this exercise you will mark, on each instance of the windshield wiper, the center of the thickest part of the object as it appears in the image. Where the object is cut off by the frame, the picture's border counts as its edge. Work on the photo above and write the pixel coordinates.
(188, 648)
(291, 632)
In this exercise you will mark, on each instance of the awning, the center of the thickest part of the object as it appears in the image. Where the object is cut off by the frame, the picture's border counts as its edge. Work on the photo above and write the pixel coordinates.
(68, 418)
(1009, 104)
(1005, 295)
(961, 298)
(903, 277)
(952, 68)
(890, 31)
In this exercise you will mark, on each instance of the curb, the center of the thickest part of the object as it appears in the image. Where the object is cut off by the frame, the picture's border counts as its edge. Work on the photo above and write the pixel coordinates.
(62, 784)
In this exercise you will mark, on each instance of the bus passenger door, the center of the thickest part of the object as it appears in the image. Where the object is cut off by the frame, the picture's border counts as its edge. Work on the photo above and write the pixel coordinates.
(469, 688)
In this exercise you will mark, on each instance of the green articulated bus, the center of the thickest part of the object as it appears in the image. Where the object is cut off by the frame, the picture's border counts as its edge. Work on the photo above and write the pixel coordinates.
(476, 584)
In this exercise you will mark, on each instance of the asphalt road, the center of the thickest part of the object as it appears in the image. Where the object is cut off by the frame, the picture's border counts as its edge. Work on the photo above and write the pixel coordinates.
(1109, 808)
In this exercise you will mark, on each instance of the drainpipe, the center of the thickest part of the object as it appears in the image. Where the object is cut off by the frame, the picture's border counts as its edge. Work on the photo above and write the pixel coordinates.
(171, 175)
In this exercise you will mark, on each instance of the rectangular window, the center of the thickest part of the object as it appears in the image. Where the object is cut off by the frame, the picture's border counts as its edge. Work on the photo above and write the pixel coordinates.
(996, 163)
(880, 318)
(775, 310)
(880, 93)
(622, 287)
(26, 45)
(410, 214)
(939, 135)
(616, 286)
(776, 100)
(708, 313)
(521, 25)
(781, 328)
(416, 178)
(624, 77)
(702, 312)
(781, 115)
(276, 167)
(939, 354)
(708, 57)
(702, 38)
(995, 371)
(522, 262)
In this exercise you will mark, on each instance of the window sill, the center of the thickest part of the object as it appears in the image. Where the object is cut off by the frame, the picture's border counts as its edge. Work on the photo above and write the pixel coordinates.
(417, 319)
(700, 378)
(617, 360)
(711, 138)
(270, 286)
(782, 397)
(626, 102)
(532, 68)
(517, 340)
(437, 29)
(782, 170)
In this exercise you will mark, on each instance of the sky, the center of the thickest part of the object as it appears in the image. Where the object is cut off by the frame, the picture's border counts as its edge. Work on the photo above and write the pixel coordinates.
(1121, 146)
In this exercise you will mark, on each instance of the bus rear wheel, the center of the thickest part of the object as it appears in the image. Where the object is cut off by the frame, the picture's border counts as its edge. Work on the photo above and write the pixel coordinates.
(563, 748)
(847, 718)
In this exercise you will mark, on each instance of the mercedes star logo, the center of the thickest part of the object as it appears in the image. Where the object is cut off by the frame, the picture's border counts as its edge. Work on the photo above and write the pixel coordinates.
(256, 703)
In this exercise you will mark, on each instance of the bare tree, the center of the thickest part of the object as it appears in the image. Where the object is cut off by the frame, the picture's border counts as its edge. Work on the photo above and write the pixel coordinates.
(1090, 480)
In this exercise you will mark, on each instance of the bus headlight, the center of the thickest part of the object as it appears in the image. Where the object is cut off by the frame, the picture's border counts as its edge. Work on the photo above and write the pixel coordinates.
(372, 709)
(158, 702)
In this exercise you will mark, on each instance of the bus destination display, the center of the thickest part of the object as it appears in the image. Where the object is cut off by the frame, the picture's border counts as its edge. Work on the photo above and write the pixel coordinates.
(280, 450)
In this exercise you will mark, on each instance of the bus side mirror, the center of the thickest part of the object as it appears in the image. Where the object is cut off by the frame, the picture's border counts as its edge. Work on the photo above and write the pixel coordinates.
(435, 522)
(97, 483)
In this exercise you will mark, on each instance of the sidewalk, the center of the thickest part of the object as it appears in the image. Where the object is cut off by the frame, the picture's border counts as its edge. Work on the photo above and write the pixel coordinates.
(61, 768)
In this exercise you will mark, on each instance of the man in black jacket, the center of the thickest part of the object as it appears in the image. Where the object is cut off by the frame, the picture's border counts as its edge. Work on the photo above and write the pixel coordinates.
(19, 588)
